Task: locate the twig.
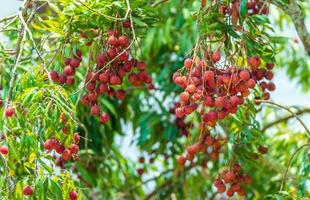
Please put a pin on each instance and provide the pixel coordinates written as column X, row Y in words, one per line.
column 289, row 164
column 158, row 2
column 34, row 43
column 284, row 119
column 7, row 18
column 19, row 48
column 104, row 15
column 289, row 110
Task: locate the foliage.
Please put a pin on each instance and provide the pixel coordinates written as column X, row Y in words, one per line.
column 162, row 34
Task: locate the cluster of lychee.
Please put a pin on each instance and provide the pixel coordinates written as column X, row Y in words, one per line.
column 114, row 66
column 180, row 122
column 66, row 153
column 210, row 145
column 217, row 92
column 71, row 65
column 232, row 181
column 254, row 7
column 55, row 144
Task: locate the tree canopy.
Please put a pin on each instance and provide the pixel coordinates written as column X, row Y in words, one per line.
column 188, row 84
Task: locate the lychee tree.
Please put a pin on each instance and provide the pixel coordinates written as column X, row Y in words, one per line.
column 188, row 83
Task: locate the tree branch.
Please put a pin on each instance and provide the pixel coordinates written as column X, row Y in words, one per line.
column 293, row 10
column 285, row 118
column 287, row 109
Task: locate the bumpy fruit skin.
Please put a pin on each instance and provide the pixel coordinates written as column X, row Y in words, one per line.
column 76, row 138
column 4, row 150
column 48, row 145
column 104, row 118
column 73, row 195
column 216, row 56
column 9, row 112
column 74, row 149
column 188, row 63
column 95, row 110
column 262, row 149
column 66, row 155
column 254, row 62
column 75, row 63
column 28, row 191
column 181, row 160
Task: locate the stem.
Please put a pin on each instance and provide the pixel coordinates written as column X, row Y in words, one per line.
column 289, row 110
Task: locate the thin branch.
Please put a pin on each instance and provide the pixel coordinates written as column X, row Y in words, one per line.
column 289, row 164
column 285, row 118
column 104, row 15
column 158, row 2
column 289, row 110
column 7, row 18
column 293, row 10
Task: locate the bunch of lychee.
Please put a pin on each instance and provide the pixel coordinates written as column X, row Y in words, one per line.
column 217, row 92
column 115, row 66
column 71, row 65
column 66, row 153
column 232, row 181
column 209, row 145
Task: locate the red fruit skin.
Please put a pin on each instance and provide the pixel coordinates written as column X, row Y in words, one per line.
column 48, row 145
column 73, row 195
column 54, row 76
column 62, row 79
column 123, row 41
column 262, row 149
column 188, row 63
column 74, row 149
column 230, row 192
column 127, row 24
column 216, row 56
column 76, row 138
column 9, row 112
column 104, row 118
column 66, row 155
column 70, row 80
column 78, row 53
column 245, row 75
column 75, row 63
column 120, row 94
column 181, row 160
column 4, row 150
column 184, row 97
column 113, row 41
column 95, row 110
column 229, row 177
column 254, row 62
column 100, row 60
column 28, row 191
column 221, row 188
column 67, row 61
column 59, row 148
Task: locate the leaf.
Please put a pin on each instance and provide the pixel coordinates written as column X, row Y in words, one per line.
column 243, row 9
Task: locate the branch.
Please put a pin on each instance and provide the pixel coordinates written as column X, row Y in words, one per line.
column 286, row 118
column 158, row 2
column 293, row 10
column 289, row 164
column 19, row 48
column 287, row 109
